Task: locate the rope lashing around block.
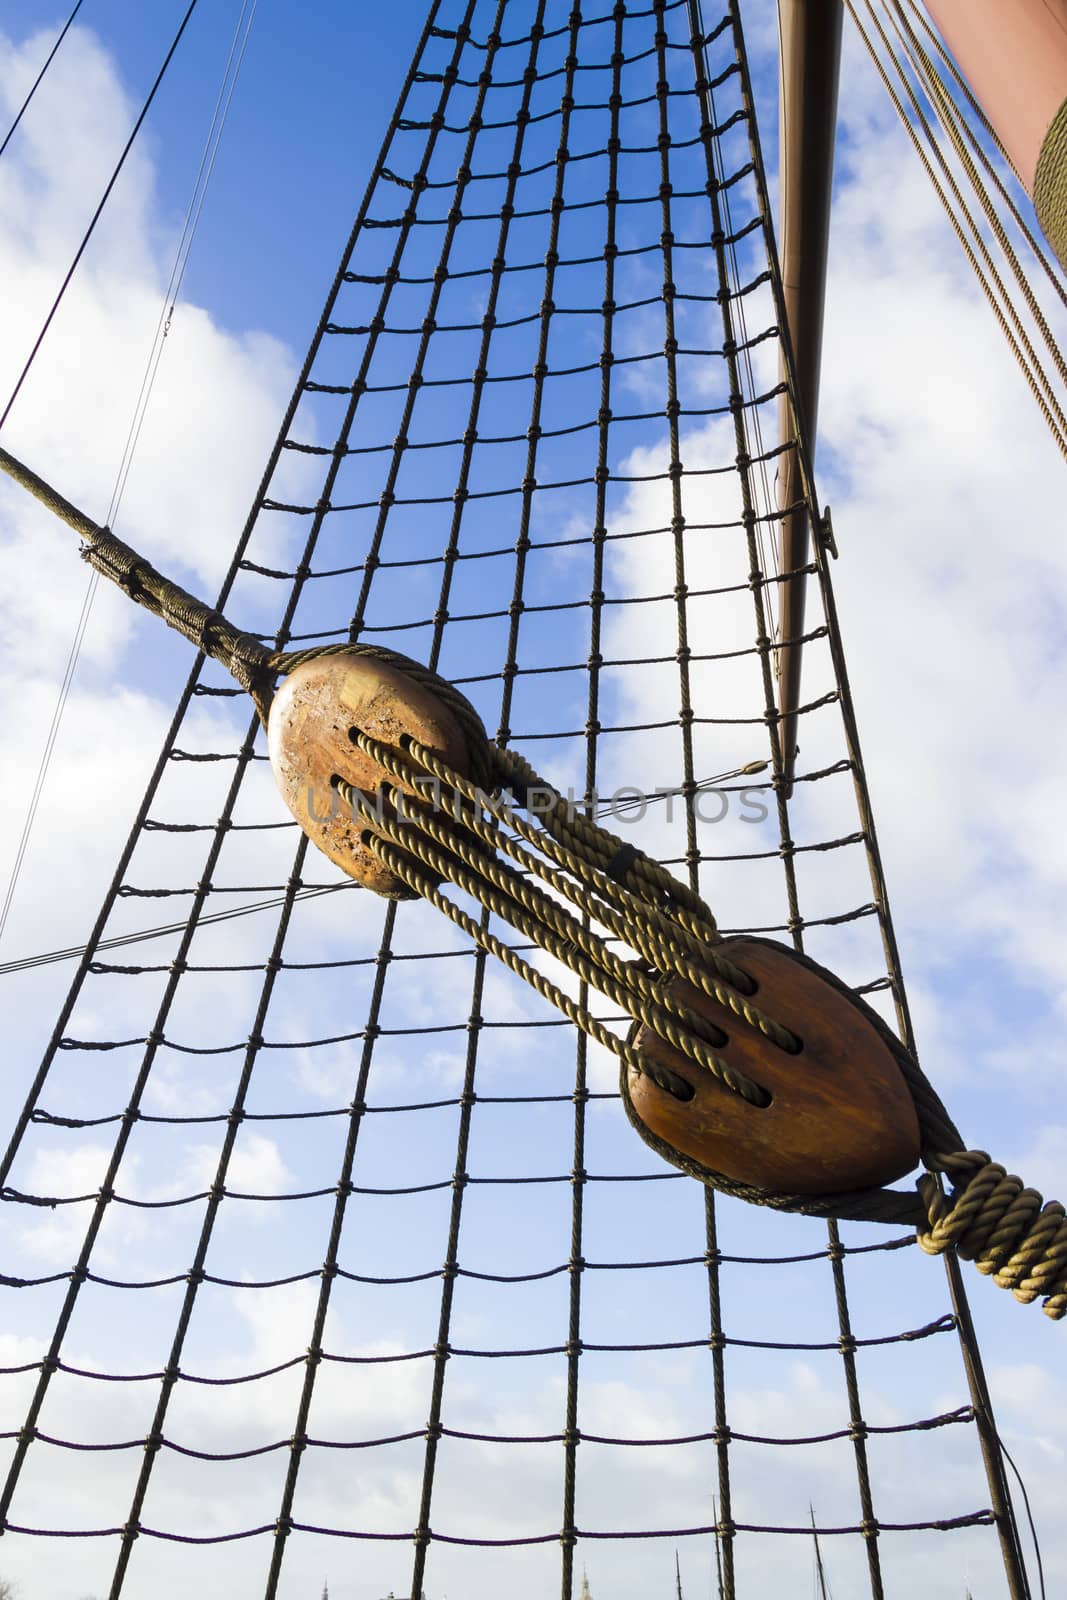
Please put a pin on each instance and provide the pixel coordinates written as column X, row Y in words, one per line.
column 1008, row 1231
column 989, row 1217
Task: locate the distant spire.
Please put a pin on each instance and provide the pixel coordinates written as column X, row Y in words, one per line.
column 824, row 1593
column 584, row 1593
column 720, row 1588
column 325, row 1590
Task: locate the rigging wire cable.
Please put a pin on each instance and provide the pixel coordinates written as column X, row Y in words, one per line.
column 95, row 218
column 75, row 952
column 231, row 72
column 50, row 744
column 1009, row 1458
column 20, row 113
column 610, row 807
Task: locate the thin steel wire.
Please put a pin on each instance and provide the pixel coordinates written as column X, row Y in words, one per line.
column 36, row 84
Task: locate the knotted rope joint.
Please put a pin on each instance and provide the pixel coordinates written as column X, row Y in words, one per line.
column 1009, row 1232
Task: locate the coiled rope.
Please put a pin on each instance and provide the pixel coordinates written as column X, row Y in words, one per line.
column 1010, row 1232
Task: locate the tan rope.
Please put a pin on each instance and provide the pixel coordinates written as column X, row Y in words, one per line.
column 1007, row 1230
column 1054, row 276
column 663, row 951
column 667, row 942
column 581, row 847
column 400, row 863
column 499, row 890
column 1050, row 184
column 584, row 837
column 990, row 1217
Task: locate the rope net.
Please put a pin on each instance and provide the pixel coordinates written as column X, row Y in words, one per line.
column 360, row 1271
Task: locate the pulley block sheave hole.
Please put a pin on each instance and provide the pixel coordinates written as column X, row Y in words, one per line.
column 315, row 717
column 840, row 1115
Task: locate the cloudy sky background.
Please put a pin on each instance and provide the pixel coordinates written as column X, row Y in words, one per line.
column 952, row 591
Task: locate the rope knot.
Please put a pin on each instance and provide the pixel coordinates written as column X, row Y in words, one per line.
column 1008, row 1230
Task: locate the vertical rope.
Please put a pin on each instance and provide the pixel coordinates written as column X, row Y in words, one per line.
column 725, row 1532
column 441, row 1349
column 858, row 1427
column 283, row 1525
column 522, row 546
column 592, row 731
column 133, row 1110
column 995, row 1473
column 725, row 1529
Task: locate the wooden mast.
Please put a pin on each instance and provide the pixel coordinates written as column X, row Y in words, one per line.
column 810, row 66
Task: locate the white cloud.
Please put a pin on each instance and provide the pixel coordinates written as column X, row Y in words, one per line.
column 61, row 1174
column 215, row 407
column 256, row 1167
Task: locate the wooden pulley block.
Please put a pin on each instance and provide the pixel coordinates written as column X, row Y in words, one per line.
column 839, row 1116
column 309, row 737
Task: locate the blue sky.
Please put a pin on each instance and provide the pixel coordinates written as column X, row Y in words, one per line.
column 303, row 133
column 937, row 466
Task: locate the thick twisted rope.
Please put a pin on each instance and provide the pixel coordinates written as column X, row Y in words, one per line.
column 1050, row 184
column 244, row 656
column 990, row 1217
column 450, row 826
column 1010, row 1233
column 617, row 873
column 506, row 895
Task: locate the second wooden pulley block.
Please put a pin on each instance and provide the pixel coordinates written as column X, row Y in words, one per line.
column 838, row 1116
column 309, row 737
